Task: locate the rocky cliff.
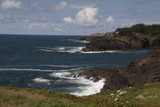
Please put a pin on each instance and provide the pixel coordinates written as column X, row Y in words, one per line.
column 138, row 72
column 105, row 43
column 139, row 36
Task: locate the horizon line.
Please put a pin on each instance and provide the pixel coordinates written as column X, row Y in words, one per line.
column 42, row 35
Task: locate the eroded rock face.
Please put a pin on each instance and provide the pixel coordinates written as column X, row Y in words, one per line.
column 155, row 42
column 143, row 71
column 86, row 38
column 104, row 43
column 138, row 72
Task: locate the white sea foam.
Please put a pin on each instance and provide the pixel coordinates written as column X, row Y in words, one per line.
column 91, row 88
column 20, row 69
column 41, row 80
column 88, row 88
column 79, row 49
column 112, row 51
column 69, row 49
column 60, row 74
column 28, row 69
column 62, row 49
column 58, row 66
column 115, row 51
column 66, row 69
column 46, row 50
column 79, row 41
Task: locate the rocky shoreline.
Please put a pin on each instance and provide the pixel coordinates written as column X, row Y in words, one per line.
column 139, row 36
column 104, row 43
column 138, row 72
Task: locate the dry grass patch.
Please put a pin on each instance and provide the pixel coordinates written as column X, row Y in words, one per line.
column 22, row 93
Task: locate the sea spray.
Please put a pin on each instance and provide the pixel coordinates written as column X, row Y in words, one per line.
column 89, row 87
column 62, row 49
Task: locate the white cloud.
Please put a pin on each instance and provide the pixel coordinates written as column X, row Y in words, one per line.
column 35, row 6
column 58, row 29
column 58, row 7
column 38, row 25
column 110, row 19
column 85, row 17
column 29, row 24
column 8, row 16
column 80, row 6
column 157, row 2
column 11, row 4
column 26, row 20
column 1, row 17
column 68, row 19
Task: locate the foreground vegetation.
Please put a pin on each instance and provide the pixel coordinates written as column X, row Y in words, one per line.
column 141, row 96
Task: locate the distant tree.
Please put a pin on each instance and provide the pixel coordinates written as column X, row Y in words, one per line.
column 153, row 30
column 150, row 30
column 125, row 32
column 139, row 28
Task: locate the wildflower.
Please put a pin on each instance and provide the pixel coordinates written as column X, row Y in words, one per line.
column 112, row 94
column 123, row 92
column 116, row 99
column 118, row 91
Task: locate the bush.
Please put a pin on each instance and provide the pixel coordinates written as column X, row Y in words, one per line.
column 140, row 29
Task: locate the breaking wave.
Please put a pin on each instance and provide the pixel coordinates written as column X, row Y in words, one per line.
column 117, row 51
column 41, row 80
column 30, row 69
column 79, row 41
column 88, row 88
column 62, row 49
column 79, row 50
column 20, row 69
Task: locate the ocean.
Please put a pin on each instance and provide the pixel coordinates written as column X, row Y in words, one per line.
column 41, row 61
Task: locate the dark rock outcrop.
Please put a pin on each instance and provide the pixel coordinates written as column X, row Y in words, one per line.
column 139, row 36
column 105, row 43
column 138, row 72
column 88, row 38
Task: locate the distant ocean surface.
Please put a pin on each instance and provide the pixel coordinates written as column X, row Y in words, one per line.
column 42, row 61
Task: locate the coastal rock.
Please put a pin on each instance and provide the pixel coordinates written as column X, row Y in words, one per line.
column 138, row 72
column 87, row 38
column 139, row 36
column 155, row 42
column 143, row 71
column 112, row 43
column 106, row 43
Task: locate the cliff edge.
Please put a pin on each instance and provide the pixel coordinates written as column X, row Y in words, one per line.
column 138, row 72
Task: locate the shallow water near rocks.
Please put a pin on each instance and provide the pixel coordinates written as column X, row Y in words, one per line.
column 42, row 61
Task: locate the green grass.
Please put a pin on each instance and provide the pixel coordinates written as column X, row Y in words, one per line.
column 141, row 96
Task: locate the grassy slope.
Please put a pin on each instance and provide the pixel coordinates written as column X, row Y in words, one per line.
column 141, row 96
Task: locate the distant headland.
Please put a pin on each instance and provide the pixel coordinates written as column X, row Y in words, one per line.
column 138, row 72
column 139, row 36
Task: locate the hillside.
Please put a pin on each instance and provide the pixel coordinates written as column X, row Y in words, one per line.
column 141, row 96
column 138, row 36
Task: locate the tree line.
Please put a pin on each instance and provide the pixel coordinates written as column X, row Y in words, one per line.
column 139, row 29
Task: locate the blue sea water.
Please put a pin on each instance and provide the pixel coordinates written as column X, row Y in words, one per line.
column 41, row 61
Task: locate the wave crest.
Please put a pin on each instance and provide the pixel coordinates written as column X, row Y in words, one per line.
column 62, row 49
column 88, row 88
column 41, row 80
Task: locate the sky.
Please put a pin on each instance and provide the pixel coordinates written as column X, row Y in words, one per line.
column 74, row 17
